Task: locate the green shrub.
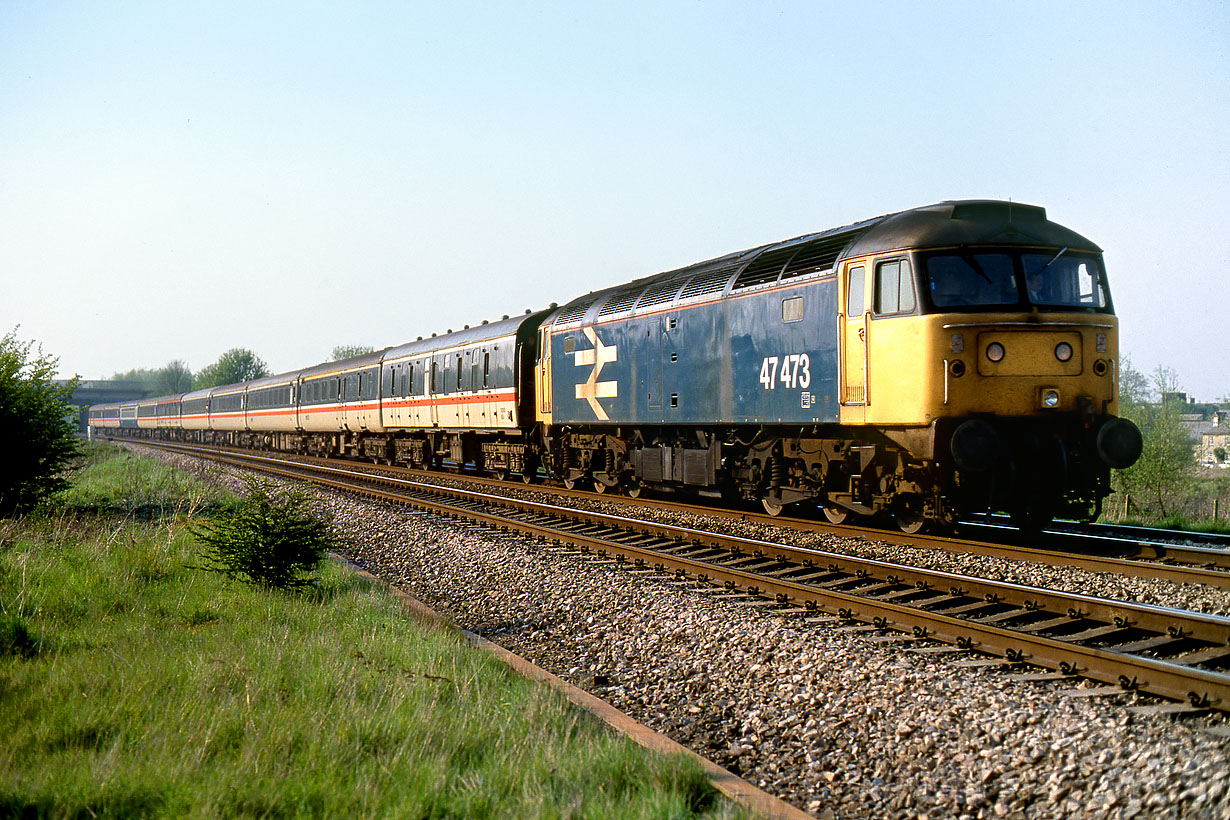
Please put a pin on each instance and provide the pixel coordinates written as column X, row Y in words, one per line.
column 272, row 539
column 38, row 434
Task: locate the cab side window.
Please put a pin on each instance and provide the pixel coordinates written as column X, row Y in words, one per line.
column 894, row 291
column 854, row 292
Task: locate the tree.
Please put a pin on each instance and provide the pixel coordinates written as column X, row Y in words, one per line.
column 235, row 365
column 138, row 375
column 174, row 378
column 38, row 431
column 346, row 351
column 1159, row 480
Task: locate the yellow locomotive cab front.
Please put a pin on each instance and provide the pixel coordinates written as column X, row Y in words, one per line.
column 1001, row 367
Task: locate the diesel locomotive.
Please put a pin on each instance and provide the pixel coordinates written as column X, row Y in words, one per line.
column 954, row 358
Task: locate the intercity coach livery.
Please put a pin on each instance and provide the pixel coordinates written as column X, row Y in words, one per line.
column 954, row 358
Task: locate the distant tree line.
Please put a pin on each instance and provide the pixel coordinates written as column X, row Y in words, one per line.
column 238, row 364
column 235, row 365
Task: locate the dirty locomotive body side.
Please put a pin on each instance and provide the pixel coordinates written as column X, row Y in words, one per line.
column 952, row 358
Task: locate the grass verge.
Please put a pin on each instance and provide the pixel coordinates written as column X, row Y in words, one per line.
column 134, row 686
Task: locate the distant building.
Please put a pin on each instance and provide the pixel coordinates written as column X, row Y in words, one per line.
column 1215, row 436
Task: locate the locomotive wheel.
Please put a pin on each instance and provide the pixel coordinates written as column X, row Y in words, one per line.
column 834, row 514
column 908, row 513
column 909, row 521
column 527, row 477
column 771, row 506
column 499, row 475
column 635, row 490
column 601, row 488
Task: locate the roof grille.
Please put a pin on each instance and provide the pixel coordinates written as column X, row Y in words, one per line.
column 706, row 283
column 660, row 293
column 764, row 268
column 820, row 254
column 576, row 311
column 620, row 302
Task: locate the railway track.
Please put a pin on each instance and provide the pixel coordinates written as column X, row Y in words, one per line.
column 1115, row 550
column 1175, row 654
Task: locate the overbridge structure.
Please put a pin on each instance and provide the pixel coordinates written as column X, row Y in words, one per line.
column 101, row 391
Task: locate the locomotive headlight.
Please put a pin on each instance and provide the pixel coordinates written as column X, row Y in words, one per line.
column 1063, row 351
column 995, row 352
column 1050, row 398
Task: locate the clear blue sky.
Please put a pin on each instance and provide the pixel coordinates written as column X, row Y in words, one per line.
column 180, row 178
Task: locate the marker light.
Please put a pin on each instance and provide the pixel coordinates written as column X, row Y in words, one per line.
column 995, row 352
column 1050, row 398
column 1063, row 351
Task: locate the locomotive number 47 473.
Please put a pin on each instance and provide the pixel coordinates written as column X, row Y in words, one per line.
column 795, row 371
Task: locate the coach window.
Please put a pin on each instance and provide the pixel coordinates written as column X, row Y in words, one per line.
column 459, row 372
column 435, row 370
column 486, row 369
column 894, row 293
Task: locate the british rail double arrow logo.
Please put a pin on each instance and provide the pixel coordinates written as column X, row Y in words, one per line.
column 591, row 389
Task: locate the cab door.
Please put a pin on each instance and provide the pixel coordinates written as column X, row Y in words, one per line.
column 853, row 329
column 543, row 378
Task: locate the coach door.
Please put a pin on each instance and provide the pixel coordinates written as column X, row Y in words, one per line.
column 435, row 381
column 853, row 340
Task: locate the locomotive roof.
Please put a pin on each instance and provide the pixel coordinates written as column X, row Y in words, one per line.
column 967, row 222
column 944, row 224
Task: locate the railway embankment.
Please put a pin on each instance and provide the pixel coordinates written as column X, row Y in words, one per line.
column 132, row 683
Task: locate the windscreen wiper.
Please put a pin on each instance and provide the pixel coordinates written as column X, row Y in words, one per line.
column 1054, row 259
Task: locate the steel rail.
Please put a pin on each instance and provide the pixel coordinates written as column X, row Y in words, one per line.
column 1193, row 564
column 1146, row 627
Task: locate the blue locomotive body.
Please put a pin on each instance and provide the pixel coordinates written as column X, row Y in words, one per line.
column 759, row 357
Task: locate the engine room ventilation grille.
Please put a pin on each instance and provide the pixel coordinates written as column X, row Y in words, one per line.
column 619, row 302
column 819, row 254
column 575, row 312
column 660, row 293
column 706, row 283
column 765, row 268
column 816, row 254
